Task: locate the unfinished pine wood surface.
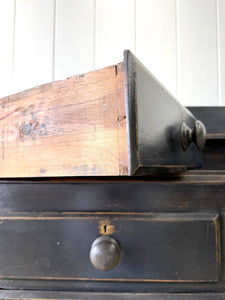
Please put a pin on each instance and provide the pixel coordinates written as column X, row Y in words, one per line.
column 73, row 127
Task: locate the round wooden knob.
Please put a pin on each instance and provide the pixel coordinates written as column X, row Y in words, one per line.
column 105, row 253
column 196, row 135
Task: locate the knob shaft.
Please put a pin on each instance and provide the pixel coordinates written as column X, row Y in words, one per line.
column 105, row 253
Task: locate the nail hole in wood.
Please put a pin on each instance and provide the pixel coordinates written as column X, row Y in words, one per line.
column 27, row 129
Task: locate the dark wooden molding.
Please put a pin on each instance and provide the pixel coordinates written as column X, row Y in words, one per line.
column 33, row 295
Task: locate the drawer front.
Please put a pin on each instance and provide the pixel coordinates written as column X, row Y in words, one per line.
column 170, row 247
column 109, row 296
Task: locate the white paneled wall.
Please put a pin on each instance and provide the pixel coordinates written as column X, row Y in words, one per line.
column 156, row 39
column 221, row 50
column 74, row 37
column 197, row 57
column 33, row 45
column 182, row 42
column 7, row 15
column 114, row 30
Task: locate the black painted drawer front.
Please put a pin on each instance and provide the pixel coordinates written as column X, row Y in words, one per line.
column 16, row 294
column 155, row 247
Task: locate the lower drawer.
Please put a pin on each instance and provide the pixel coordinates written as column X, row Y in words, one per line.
column 157, row 247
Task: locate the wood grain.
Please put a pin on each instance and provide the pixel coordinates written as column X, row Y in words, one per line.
column 66, row 128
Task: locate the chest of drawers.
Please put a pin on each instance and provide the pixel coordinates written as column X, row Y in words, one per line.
column 158, row 234
column 169, row 232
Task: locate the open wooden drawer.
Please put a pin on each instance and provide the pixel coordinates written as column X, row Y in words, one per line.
column 114, row 121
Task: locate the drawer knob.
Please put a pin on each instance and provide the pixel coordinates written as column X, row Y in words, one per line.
column 196, row 135
column 105, row 253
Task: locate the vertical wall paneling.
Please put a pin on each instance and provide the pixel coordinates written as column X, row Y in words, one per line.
column 74, row 37
column 197, row 52
column 6, row 48
column 221, row 49
column 115, row 30
column 156, row 39
column 182, row 42
column 34, row 26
